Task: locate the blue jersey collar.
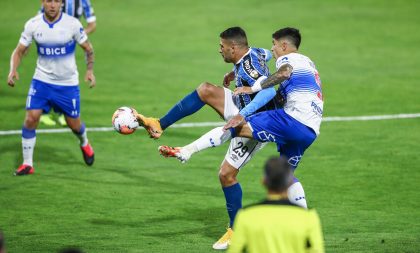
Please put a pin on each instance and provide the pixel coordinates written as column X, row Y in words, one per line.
column 51, row 25
column 249, row 50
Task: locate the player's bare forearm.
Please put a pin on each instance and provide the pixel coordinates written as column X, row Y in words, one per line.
column 17, row 56
column 282, row 74
column 90, row 28
column 90, row 59
column 90, row 56
column 15, row 60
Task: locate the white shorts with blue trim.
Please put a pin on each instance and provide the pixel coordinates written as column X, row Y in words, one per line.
column 241, row 149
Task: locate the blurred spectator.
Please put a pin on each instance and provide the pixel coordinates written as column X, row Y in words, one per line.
column 2, row 245
column 71, row 250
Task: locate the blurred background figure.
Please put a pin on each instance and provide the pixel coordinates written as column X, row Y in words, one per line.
column 276, row 224
column 71, row 250
column 2, row 246
column 77, row 9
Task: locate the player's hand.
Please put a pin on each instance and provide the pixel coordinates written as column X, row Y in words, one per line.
column 242, row 90
column 90, row 77
column 11, row 78
column 234, row 122
column 229, row 77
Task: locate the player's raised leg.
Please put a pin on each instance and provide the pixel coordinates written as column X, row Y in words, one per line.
column 206, row 93
column 213, row 138
column 28, row 142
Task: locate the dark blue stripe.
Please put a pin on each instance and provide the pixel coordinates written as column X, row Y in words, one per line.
column 48, row 50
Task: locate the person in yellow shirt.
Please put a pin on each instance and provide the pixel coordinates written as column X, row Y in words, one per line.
column 275, row 224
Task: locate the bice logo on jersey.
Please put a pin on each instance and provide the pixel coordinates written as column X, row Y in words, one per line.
column 51, row 51
column 56, row 50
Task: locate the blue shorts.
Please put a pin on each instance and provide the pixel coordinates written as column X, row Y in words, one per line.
column 291, row 136
column 44, row 96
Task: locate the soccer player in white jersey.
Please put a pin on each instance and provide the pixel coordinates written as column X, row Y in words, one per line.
column 77, row 9
column 55, row 82
column 293, row 128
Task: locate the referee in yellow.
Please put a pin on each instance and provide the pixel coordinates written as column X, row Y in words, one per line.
column 277, row 225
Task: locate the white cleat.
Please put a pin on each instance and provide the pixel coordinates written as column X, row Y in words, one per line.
column 179, row 153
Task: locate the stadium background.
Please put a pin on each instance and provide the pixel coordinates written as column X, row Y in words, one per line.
column 361, row 176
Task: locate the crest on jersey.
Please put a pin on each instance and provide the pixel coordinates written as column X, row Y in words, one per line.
column 254, row 74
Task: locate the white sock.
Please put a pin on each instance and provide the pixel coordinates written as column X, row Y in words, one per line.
column 213, row 138
column 28, row 146
column 296, row 194
column 83, row 138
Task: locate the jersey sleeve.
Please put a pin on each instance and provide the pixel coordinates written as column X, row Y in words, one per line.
column 238, row 243
column 287, row 59
column 315, row 237
column 79, row 33
column 267, row 54
column 261, row 99
column 88, row 12
column 27, row 34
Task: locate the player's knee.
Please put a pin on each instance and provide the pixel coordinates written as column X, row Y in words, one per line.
column 205, row 90
column 227, row 178
column 31, row 121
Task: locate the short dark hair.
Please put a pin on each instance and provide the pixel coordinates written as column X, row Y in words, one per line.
column 235, row 34
column 289, row 33
column 278, row 174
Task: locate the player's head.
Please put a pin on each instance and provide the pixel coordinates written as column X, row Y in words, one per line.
column 233, row 43
column 285, row 41
column 278, row 174
column 52, row 8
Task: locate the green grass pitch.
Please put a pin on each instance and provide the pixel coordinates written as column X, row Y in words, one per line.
column 362, row 177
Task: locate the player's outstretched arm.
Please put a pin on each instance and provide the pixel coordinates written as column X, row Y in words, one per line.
column 15, row 60
column 90, row 60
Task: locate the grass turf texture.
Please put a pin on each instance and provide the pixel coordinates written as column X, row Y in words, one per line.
column 362, row 177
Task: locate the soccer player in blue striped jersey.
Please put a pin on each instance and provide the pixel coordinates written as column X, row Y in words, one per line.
column 55, row 83
column 249, row 66
column 77, row 9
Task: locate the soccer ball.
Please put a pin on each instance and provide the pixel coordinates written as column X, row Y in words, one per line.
column 124, row 120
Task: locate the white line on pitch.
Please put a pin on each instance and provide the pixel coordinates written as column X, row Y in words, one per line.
column 214, row 124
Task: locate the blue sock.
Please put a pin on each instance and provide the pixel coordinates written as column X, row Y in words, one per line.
column 81, row 131
column 233, row 195
column 187, row 106
column 28, row 133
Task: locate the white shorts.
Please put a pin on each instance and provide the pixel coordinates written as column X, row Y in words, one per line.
column 241, row 149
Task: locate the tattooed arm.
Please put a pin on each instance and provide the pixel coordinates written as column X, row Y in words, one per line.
column 282, row 74
column 90, row 59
